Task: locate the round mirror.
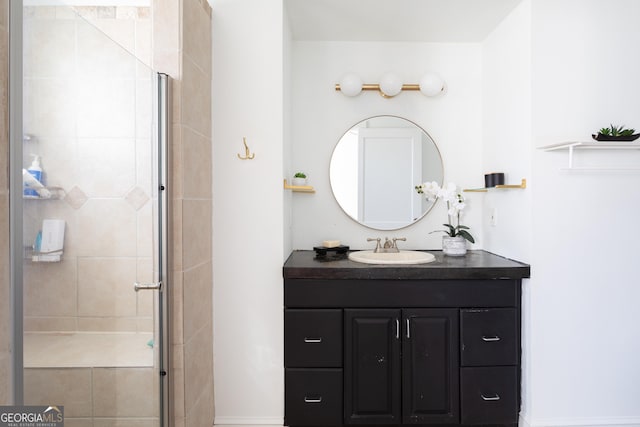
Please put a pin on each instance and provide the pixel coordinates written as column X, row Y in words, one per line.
column 374, row 170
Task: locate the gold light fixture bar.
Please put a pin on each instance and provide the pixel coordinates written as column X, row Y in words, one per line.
column 375, row 86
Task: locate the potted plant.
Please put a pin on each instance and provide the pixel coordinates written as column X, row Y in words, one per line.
column 455, row 241
column 616, row 133
column 300, row 178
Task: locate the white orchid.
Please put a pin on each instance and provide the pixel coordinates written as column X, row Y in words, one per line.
column 455, row 205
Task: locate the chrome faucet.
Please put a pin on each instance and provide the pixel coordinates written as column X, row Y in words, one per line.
column 390, row 246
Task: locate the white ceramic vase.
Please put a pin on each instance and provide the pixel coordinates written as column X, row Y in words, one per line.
column 454, row 246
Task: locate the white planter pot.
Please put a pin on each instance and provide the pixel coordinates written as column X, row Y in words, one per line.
column 454, row 246
column 299, row 181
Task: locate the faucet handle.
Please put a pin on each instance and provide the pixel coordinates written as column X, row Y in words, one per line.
column 377, row 240
column 395, row 245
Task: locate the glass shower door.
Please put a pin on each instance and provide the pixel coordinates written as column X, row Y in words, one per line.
column 93, row 221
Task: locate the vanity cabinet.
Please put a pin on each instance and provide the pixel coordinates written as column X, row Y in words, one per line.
column 371, row 345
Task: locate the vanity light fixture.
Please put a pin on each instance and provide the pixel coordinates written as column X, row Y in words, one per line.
column 431, row 84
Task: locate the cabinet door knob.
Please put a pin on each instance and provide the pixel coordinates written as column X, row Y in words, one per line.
column 490, row 339
column 312, row 399
column 313, row 340
column 490, row 398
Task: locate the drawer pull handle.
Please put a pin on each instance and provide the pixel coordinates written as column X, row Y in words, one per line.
column 313, row 340
column 312, row 399
column 491, row 339
column 490, row 398
column 397, row 328
column 408, row 328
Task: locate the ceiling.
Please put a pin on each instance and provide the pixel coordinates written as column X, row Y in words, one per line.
column 435, row 21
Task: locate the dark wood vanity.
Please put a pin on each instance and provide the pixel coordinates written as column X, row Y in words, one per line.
column 435, row 343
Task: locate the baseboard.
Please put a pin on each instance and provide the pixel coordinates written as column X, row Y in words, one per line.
column 249, row 421
column 581, row 422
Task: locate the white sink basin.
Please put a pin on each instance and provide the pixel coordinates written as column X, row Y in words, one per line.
column 402, row 257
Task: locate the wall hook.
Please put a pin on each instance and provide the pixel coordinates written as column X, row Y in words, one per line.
column 247, row 154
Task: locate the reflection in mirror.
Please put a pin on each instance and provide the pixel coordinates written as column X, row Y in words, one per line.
column 375, row 167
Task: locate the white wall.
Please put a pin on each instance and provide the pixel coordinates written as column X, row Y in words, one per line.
column 321, row 115
column 585, row 338
column 507, row 147
column 248, row 211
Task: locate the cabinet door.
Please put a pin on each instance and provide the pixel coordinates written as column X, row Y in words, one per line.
column 372, row 367
column 430, row 366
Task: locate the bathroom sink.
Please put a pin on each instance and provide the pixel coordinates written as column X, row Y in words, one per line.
column 402, row 257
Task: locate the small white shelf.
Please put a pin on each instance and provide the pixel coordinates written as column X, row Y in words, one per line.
column 571, row 146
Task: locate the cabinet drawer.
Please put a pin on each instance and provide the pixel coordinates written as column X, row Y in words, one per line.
column 488, row 337
column 313, row 338
column 313, row 397
column 489, row 395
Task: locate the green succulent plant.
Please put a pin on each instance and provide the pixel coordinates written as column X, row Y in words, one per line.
column 616, row 131
column 299, row 175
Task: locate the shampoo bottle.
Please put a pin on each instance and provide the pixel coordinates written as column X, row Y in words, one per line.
column 36, row 171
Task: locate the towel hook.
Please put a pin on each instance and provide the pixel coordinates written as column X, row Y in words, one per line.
column 247, row 155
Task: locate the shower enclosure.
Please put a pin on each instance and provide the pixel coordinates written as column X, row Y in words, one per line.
column 85, row 103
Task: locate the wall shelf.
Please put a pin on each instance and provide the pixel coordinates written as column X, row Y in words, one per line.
column 56, row 193
column 571, row 146
column 299, row 188
column 522, row 185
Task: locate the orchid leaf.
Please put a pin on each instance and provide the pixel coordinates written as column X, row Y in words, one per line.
column 466, row 235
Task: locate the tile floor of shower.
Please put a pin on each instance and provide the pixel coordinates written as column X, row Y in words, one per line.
column 101, row 379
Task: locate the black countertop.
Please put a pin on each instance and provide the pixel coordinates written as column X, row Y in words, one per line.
column 477, row 264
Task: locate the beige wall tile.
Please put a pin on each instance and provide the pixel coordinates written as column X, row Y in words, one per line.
column 106, row 228
column 50, row 289
column 144, row 174
column 196, row 232
column 197, row 35
column 177, row 162
column 123, row 392
column 198, row 366
column 106, row 167
column 5, row 374
column 46, row 42
column 166, row 36
column 70, row 387
column 50, row 107
column 5, row 290
column 114, row 115
column 145, row 232
column 50, row 324
column 198, row 305
column 177, row 235
column 124, row 422
column 108, row 324
column 177, row 385
column 202, row 413
column 105, row 287
column 99, row 56
column 196, row 98
column 78, row 422
column 176, row 305
column 4, row 13
column 196, row 152
column 143, row 44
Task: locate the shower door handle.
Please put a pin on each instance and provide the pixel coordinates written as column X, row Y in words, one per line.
column 147, row 286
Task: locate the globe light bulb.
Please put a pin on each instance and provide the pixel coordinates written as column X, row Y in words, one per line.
column 431, row 84
column 351, row 84
column 390, row 84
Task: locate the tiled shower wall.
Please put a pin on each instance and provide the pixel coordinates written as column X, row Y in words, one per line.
column 87, row 104
column 182, row 49
column 5, row 295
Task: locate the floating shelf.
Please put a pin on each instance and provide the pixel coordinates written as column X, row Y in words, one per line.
column 571, row 146
column 522, row 185
column 299, row 188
